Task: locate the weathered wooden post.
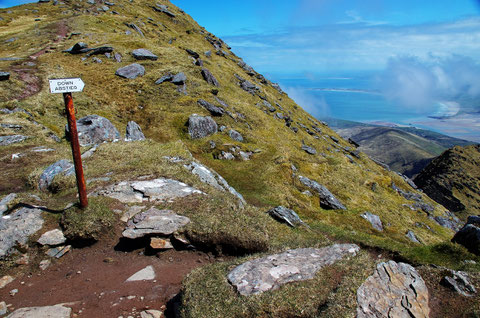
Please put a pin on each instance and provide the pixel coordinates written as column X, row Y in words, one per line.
column 67, row 86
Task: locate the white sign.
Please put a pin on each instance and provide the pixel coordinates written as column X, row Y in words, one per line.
column 66, row 85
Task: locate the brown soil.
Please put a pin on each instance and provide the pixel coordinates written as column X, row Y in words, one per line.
column 92, row 281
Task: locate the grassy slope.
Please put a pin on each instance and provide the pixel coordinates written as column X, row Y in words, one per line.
column 265, row 181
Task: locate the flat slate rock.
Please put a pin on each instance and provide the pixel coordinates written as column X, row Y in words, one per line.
column 144, row 54
column 11, row 139
column 131, row 71
column 208, row 76
column 148, row 273
column 394, row 290
column 52, row 238
column 62, row 166
column 57, row 311
column 134, row 132
column 285, row 215
column 214, row 110
column 327, row 199
column 374, row 220
column 271, row 272
column 148, row 190
column 94, row 129
column 17, row 227
column 235, row 135
column 309, row 150
column 201, row 126
column 154, row 221
column 458, row 281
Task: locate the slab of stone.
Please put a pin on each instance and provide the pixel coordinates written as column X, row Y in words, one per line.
column 235, row 135
column 131, row 212
column 374, row 220
column 52, row 238
column 161, row 244
column 63, row 166
column 5, row 280
column 131, row 71
column 149, row 190
column 57, row 311
column 201, row 126
column 151, row 313
column 94, row 129
column 164, row 9
column 309, row 150
column 134, row 132
column 394, row 290
column 6, row 201
column 11, row 139
column 58, row 251
column 458, row 281
column 208, row 76
column 214, row 110
column 148, row 273
column 144, row 54
column 154, row 221
column 271, row 272
column 179, row 78
column 412, row 237
column 327, row 199
column 17, row 227
column 285, row 215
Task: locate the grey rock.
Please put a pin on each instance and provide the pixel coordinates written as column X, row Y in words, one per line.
column 148, row 273
column 200, row 126
column 91, row 1
column 235, row 135
column 17, row 227
column 221, row 102
column 394, row 290
column 131, row 71
column 208, row 76
column 408, row 195
column 99, row 50
column 151, row 313
column 165, row 78
column 89, row 152
column 134, row 132
column 11, row 126
column 269, row 106
column 94, row 129
column 222, row 128
column 57, row 311
column 154, row 221
column 193, row 53
column 3, row 308
column 212, row 178
column 4, row 76
column 136, row 28
column 11, row 139
column 144, row 54
column 412, row 237
column 248, row 87
column 214, row 110
column 148, row 190
column 6, row 201
column 247, row 68
column 78, row 48
column 285, row 215
column 469, row 236
column 59, row 251
column 52, row 238
column 459, row 283
column 60, row 167
column 179, row 78
column 96, row 60
column 118, row 57
column 309, row 150
column 226, row 156
column 447, row 222
column 245, row 156
column 278, row 88
column 164, row 9
column 327, row 199
column 374, row 220
column 270, row 272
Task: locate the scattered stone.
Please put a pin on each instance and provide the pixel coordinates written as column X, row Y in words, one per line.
column 134, row 132
column 285, row 215
column 214, row 110
column 374, row 220
column 277, row 87
column 144, row 54
column 89, row 152
column 159, row 243
column 131, row 212
column 118, row 57
column 148, row 190
column 94, row 129
column 5, row 280
column 207, row 76
column 459, row 283
column 394, row 290
column 59, row 251
column 6, row 201
column 449, row 221
column 412, row 237
column 309, row 150
column 148, row 273
column 247, row 68
column 52, row 238
column 131, row 71
column 4, row 76
column 13, row 292
column 327, row 199
column 3, row 308
column 151, row 313
column 469, row 235
column 226, row 156
column 179, row 78
column 17, row 227
column 60, row 167
column 24, row 259
column 136, row 28
column 270, row 272
column 97, row 60
column 245, row 156
column 193, row 53
column 44, row 264
column 164, row 9
column 235, row 135
column 57, row 311
column 11, row 139
column 154, row 221
column 200, row 127
column 408, row 195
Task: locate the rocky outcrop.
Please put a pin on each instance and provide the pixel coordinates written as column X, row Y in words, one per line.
column 458, row 281
column 214, row 110
column 134, row 132
column 270, row 272
column 17, row 227
column 469, row 235
column 285, row 215
column 235, row 135
column 94, row 129
column 394, row 290
column 208, row 76
column 327, row 199
column 309, row 150
column 11, row 139
column 63, row 166
column 154, row 222
column 131, row 71
column 200, row 126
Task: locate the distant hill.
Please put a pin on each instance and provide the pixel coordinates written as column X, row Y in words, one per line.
column 453, row 179
column 405, row 149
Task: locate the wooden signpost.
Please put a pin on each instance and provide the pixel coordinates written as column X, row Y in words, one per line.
column 67, row 86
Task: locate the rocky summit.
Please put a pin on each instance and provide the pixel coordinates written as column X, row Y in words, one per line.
column 211, row 193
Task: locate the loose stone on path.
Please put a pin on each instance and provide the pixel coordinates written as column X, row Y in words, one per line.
column 148, row 273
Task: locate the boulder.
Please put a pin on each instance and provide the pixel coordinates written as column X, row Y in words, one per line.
column 327, row 199
column 374, row 220
column 17, row 227
column 285, row 215
column 200, row 126
column 131, row 71
column 52, row 238
column 94, row 129
column 459, row 283
column 271, row 272
column 235, row 135
column 207, row 76
column 57, row 311
column 11, row 139
column 154, row 221
column 4, row 76
column 148, row 273
column 63, row 166
column 469, row 235
column 394, row 290
column 214, row 110
column 78, row 48
column 179, row 78
column 134, row 132
column 144, row 54
column 165, row 78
